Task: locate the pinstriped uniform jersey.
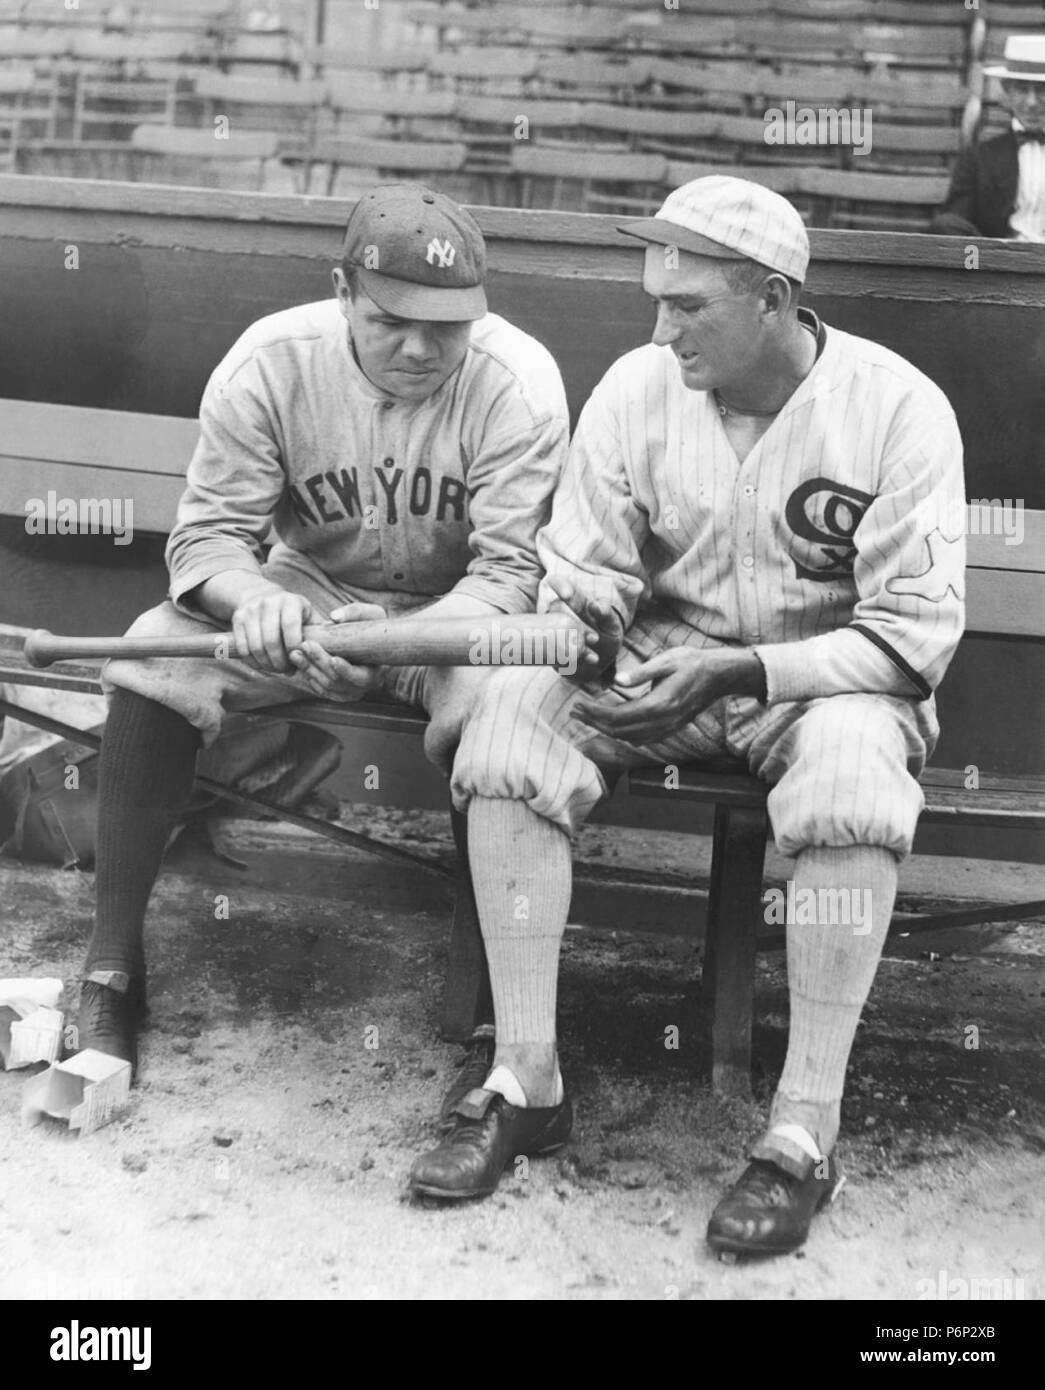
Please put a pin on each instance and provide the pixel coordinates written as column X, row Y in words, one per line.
column 835, row 549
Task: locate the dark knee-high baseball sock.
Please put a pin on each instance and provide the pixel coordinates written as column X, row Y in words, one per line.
column 831, row 964
column 145, row 775
column 522, row 875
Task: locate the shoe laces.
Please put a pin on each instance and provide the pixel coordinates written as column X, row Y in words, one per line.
column 474, row 1066
column 767, row 1184
column 105, row 1008
column 468, row 1133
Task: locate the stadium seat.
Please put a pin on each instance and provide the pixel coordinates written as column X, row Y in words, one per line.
column 591, row 77
column 531, row 27
column 875, row 201
column 721, row 87
column 29, row 105
column 483, row 70
column 387, row 157
column 176, row 155
column 259, row 103
column 326, row 59
column 606, row 182
column 347, row 96
column 356, row 109
column 126, row 51
column 492, row 128
column 702, row 135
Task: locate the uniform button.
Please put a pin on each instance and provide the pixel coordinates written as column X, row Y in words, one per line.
column 749, row 491
column 398, row 577
column 748, row 561
column 387, row 405
column 388, row 462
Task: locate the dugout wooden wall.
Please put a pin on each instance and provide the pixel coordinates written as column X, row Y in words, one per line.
column 167, row 278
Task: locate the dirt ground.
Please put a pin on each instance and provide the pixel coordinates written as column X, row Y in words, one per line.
column 265, row 1151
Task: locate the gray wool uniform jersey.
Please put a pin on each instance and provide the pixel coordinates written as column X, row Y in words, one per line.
column 361, row 496
column 413, row 498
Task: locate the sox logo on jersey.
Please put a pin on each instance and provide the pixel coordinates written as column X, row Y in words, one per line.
column 824, row 515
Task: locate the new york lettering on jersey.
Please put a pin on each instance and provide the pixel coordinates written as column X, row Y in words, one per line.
column 388, row 497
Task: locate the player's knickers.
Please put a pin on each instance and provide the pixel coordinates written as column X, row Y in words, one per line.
column 844, row 768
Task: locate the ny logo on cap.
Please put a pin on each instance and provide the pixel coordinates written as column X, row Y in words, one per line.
column 442, row 251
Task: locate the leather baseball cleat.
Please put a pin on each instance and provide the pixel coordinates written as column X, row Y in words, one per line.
column 488, row 1133
column 767, row 1211
column 472, row 1070
column 109, row 1016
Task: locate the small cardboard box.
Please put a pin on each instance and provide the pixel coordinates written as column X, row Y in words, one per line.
column 87, row 1090
column 30, row 1022
column 35, row 1038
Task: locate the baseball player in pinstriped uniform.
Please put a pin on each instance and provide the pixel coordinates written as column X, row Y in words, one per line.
column 761, row 517
column 402, row 444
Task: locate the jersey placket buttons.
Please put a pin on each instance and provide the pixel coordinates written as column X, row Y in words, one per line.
column 746, row 540
column 398, row 576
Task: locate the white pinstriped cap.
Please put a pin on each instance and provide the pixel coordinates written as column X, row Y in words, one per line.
column 730, row 218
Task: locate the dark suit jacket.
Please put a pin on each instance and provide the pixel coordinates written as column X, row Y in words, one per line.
column 982, row 195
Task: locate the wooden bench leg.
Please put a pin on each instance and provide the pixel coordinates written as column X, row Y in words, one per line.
column 734, row 913
column 467, row 1000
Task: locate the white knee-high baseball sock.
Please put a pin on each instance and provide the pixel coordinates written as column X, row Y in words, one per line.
column 522, row 873
column 831, row 965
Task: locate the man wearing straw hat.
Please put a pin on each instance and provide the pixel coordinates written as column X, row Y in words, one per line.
column 998, row 188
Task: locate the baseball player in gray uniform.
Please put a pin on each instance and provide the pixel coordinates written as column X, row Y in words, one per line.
column 762, row 517
column 397, row 447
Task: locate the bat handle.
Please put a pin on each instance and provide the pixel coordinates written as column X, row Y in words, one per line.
column 42, row 648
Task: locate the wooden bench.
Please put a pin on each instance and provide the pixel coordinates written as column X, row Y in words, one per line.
column 77, row 452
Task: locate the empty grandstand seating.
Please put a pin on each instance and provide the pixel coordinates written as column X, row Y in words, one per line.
column 549, row 100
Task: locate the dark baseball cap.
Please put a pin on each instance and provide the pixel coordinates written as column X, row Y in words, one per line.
column 418, row 255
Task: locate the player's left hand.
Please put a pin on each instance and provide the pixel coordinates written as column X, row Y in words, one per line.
column 332, row 677
column 685, row 682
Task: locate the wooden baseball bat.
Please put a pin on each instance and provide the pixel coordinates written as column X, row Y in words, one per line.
column 503, row 639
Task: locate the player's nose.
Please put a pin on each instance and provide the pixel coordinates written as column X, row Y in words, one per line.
column 418, row 347
column 665, row 330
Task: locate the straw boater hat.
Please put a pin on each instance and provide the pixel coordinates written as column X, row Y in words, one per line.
column 1024, row 59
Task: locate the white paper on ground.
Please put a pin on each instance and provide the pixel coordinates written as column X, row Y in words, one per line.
column 27, row 995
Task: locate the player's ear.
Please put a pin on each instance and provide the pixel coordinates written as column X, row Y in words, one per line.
column 341, row 288
column 776, row 295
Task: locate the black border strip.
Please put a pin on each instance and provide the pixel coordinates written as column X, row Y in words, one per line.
column 919, row 682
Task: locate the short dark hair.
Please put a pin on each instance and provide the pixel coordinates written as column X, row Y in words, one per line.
column 745, row 275
column 351, row 273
